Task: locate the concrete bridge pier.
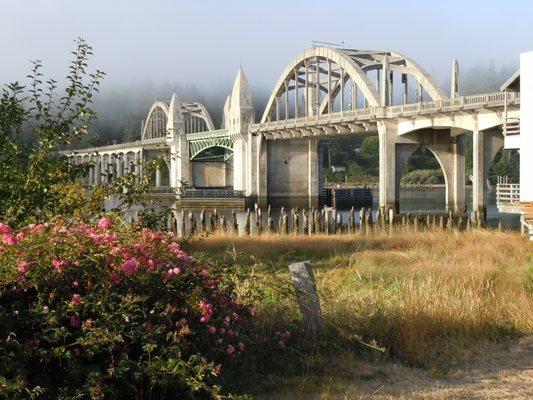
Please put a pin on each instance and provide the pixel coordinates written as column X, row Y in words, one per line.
column 485, row 146
column 294, row 170
column 389, row 184
column 179, row 161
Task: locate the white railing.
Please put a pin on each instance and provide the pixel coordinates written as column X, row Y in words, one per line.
column 497, row 99
column 507, row 193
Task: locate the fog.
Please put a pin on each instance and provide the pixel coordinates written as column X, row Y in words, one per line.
column 150, row 49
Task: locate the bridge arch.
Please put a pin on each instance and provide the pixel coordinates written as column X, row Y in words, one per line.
column 307, row 73
column 198, row 148
column 156, row 123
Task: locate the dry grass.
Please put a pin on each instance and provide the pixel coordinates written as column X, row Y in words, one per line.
column 431, row 299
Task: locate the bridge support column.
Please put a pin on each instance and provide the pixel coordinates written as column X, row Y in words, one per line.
column 137, row 165
column 451, row 158
column 313, row 172
column 387, row 167
column 262, row 173
column 179, row 162
column 239, row 164
column 97, row 170
column 158, row 177
column 119, row 165
column 485, row 145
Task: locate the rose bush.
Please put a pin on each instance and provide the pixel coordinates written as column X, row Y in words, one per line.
column 105, row 311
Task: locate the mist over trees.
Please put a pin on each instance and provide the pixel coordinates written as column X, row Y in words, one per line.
column 121, row 108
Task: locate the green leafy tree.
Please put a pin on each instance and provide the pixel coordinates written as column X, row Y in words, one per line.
column 32, row 172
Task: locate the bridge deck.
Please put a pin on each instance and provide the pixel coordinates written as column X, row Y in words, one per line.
column 373, row 114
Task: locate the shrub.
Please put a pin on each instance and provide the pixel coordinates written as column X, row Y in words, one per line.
column 109, row 312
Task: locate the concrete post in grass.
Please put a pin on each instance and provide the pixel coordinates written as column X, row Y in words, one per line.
column 303, row 280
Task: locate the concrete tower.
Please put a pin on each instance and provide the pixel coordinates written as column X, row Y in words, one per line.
column 179, row 147
column 239, row 116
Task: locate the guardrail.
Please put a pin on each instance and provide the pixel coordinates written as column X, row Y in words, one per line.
column 497, row 99
column 507, row 193
column 209, row 193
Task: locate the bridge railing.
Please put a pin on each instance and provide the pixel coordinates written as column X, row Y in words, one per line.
column 210, row 193
column 507, row 193
column 497, row 99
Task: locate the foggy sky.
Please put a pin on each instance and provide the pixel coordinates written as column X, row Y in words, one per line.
column 203, row 42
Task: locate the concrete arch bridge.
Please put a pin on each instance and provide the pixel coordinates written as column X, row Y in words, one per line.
column 325, row 93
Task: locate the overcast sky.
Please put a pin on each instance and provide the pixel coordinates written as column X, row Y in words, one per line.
column 203, row 42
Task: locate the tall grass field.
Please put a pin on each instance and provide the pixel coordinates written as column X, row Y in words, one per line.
column 427, row 300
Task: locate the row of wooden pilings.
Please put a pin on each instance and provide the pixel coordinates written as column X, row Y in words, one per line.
column 314, row 221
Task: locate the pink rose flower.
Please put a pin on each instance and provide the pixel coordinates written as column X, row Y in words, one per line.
column 130, row 266
column 59, row 264
column 9, row 239
column 5, row 229
column 115, row 278
column 23, row 267
column 104, row 223
column 75, row 322
column 212, row 330
column 75, row 284
column 76, row 299
column 205, row 318
column 230, row 349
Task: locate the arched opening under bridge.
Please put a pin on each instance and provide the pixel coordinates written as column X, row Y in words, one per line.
column 213, row 167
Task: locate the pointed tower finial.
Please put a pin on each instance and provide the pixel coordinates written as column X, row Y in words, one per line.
column 175, row 117
column 241, row 95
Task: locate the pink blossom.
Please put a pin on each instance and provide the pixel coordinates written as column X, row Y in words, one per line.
column 9, row 239
column 130, row 266
column 230, row 333
column 104, row 223
column 115, row 278
column 20, row 236
column 5, row 229
column 205, row 307
column 23, row 267
column 37, row 228
column 241, row 346
column 281, row 344
column 230, row 349
column 205, row 318
column 75, row 284
column 76, row 299
column 212, row 330
column 59, row 264
column 74, row 322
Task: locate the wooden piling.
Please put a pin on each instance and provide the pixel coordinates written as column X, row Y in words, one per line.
column 234, row 223
column 247, row 225
column 259, row 222
column 223, row 224
column 284, row 226
column 305, row 222
column 192, row 223
column 183, row 229
column 203, row 224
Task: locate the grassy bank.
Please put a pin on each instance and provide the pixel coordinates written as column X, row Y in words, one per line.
column 431, row 299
